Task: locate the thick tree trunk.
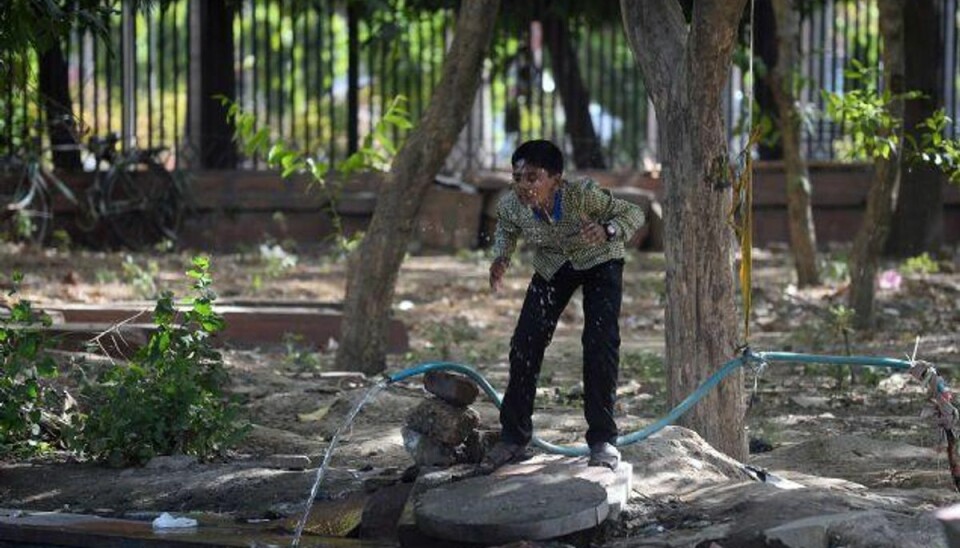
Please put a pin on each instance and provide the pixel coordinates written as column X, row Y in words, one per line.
column 574, row 95
column 55, row 95
column 918, row 220
column 372, row 281
column 803, row 240
column 685, row 68
column 882, row 196
column 211, row 27
column 765, row 47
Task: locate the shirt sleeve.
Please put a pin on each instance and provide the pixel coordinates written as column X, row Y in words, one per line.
column 507, row 232
column 600, row 205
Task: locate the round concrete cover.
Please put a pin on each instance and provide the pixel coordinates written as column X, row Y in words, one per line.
column 498, row 509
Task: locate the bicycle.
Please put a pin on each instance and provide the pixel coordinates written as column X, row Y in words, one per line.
column 138, row 200
column 26, row 213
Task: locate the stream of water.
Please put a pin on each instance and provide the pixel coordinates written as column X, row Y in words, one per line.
column 326, row 457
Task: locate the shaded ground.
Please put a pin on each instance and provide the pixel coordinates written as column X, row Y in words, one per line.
column 869, row 432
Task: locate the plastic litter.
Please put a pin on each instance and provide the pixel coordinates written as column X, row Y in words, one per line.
column 166, row 521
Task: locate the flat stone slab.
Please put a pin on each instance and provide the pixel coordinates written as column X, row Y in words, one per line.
column 508, row 508
column 618, row 484
column 545, row 497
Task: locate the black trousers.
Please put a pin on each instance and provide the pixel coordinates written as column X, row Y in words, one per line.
column 602, row 293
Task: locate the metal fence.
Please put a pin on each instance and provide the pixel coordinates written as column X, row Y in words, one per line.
column 320, row 77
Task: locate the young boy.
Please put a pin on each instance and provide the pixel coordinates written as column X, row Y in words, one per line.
column 578, row 232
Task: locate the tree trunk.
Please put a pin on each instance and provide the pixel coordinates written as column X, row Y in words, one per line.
column 765, row 47
column 918, row 220
column 783, row 77
column 371, row 285
column 212, row 74
column 685, row 68
column 882, row 196
column 574, row 95
column 55, row 95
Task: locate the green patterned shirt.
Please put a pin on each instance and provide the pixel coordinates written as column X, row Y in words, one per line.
column 557, row 241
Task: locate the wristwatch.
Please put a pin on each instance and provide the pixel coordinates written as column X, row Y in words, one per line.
column 611, row 230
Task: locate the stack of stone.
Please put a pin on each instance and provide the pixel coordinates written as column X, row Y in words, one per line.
column 443, row 429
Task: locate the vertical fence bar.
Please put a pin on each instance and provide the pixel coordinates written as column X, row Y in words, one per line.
column 150, row 75
column 612, row 110
column 833, row 49
column 318, row 71
column 254, row 92
column 821, row 57
column 175, row 38
column 421, row 73
column 9, row 114
column 353, row 78
column 267, row 47
column 162, row 77
column 950, row 64
column 332, row 48
column 955, row 52
column 305, row 75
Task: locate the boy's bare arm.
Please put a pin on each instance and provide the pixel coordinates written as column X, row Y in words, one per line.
column 497, row 269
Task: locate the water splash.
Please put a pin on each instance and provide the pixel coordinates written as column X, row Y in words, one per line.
column 373, row 391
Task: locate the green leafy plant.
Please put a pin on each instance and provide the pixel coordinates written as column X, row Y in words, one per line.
column 375, row 154
column 921, row 264
column 142, row 278
column 836, row 269
column 935, row 149
column 870, row 128
column 445, row 337
column 299, row 355
column 169, row 399
column 24, row 363
column 840, row 323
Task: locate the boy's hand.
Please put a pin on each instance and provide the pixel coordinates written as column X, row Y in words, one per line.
column 497, row 269
column 593, row 232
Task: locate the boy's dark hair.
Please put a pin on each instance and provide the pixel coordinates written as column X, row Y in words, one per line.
column 539, row 153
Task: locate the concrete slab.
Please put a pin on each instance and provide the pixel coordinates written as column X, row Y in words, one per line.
column 545, row 497
column 618, row 484
column 245, row 325
column 507, row 508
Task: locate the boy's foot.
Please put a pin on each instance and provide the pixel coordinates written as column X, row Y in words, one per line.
column 502, row 453
column 604, row 454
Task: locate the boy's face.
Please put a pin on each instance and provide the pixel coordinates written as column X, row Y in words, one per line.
column 533, row 185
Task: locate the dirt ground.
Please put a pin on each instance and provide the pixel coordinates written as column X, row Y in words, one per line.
column 806, row 419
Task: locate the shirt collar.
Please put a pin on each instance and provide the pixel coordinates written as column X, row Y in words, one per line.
column 557, row 208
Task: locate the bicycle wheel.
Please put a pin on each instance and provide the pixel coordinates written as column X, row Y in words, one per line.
column 26, row 210
column 141, row 207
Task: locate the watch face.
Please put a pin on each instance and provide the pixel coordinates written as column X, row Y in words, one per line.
column 611, row 230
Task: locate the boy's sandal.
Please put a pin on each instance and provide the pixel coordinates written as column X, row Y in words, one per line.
column 604, row 454
column 502, row 453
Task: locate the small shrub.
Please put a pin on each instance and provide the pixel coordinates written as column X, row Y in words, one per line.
column 142, row 278
column 24, row 363
column 644, row 366
column 447, row 336
column 921, row 264
column 169, row 399
column 299, row 355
